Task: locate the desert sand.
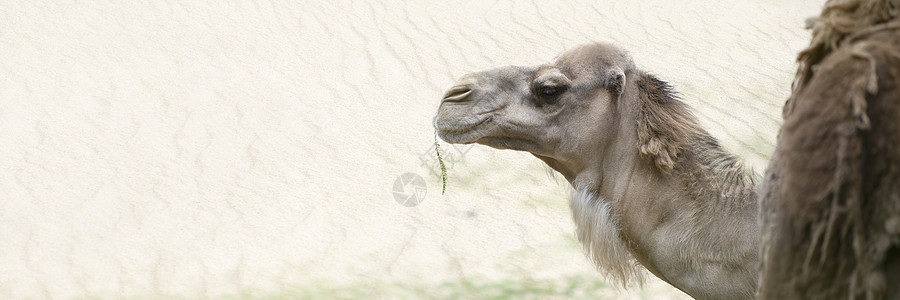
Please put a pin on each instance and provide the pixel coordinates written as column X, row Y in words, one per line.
column 258, row 148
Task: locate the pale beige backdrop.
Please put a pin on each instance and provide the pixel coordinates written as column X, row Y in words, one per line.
column 183, row 149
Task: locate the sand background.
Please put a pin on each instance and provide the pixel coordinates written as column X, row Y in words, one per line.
column 245, row 149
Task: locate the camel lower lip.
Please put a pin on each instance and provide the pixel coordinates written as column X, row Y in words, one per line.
column 462, row 134
column 462, row 128
column 457, row 137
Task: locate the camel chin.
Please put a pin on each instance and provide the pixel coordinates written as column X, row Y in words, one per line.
column 508, row 143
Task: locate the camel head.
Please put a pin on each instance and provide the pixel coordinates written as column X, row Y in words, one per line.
column 566, row 112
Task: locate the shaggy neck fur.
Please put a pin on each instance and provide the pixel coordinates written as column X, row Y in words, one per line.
column 712, row 173
column 598, row 231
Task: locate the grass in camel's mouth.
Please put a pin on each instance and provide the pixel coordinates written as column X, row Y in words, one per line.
column 437, row 150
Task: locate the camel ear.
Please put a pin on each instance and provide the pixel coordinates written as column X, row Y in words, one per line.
column 615, row 81
column 664, row 123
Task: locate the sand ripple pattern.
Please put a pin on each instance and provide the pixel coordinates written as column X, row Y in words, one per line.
column 249, row 148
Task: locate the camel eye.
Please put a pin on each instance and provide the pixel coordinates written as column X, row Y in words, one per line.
column 549, row 91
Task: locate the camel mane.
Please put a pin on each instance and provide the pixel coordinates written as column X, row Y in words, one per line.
column 664, row 123
column 667, row 129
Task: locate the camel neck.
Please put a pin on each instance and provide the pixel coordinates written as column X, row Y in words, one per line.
column 704, row 207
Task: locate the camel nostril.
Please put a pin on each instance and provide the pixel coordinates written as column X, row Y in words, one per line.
column 457, row 93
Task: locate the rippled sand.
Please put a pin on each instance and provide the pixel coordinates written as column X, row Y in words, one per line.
column 252, row 149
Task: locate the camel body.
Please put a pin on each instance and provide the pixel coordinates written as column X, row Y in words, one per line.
column 830, row 204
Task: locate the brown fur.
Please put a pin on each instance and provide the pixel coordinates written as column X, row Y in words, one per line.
column 830, row 207
column 664, row 124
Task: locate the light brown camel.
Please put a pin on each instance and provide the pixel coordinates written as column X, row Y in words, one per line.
column 830, row 207
column 652, row 188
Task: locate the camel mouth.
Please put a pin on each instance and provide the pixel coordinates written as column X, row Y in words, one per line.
column 460, row 133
